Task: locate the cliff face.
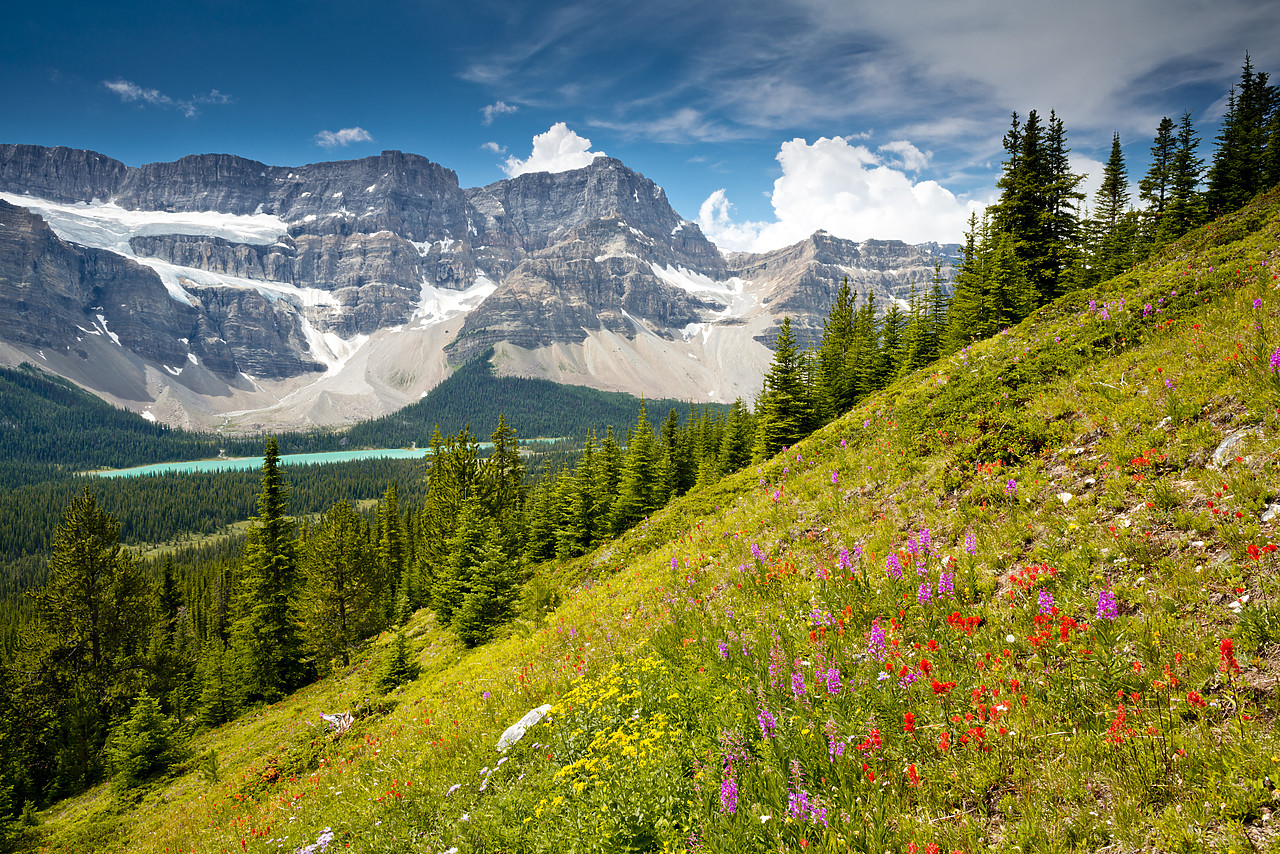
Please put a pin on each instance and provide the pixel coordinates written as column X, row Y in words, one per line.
column 54, row 294
column 359, row 280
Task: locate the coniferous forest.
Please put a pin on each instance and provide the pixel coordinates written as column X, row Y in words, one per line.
column 269, row 581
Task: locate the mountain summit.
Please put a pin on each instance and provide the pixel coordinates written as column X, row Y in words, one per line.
column 220, row 291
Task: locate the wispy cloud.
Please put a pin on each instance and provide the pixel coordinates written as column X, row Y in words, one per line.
column 497, row 108
column 344, row 137
column 494, row 147
column 189, row 107
column 822, row 67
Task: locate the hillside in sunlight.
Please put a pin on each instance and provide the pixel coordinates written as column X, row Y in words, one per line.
column 1024, row 599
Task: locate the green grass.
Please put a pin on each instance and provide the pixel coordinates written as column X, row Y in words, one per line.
column 675, row 658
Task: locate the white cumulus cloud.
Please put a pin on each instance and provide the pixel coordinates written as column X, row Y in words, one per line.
column 847, row 190
column 557, row 150
column 905, row 155
column 495, row 109
column 346, row 136
column 494, row 147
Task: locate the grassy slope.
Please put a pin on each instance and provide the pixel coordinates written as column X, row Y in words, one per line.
column 675, row 642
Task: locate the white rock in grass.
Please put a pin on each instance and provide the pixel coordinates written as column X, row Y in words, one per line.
column 516, row 731
column 1065, row 497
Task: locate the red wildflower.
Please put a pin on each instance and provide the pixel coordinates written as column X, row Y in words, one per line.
column 913, row 776
column 909, row 723
column 1227, row 652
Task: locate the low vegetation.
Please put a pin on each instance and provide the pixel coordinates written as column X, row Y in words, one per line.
column 1023, row 599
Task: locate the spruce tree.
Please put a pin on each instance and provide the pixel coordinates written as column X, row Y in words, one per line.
column 1111, row 252
column 785, row 409
column 457, row 575
column 836, row 387
column 268, row 636
column 637, row 481
column 390, row 536
column 144, row 746
column 1185, row 209
column 399, row 666
column 344, row 584
column 491, row 602
column 1156, row 186
column 86, row 650
column 1239, row 167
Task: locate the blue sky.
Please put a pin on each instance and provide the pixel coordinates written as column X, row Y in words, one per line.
column 763, row 120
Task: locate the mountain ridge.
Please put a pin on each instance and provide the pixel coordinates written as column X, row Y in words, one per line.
column 308, row 294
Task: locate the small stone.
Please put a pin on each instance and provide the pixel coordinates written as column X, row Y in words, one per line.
column 1065, row 497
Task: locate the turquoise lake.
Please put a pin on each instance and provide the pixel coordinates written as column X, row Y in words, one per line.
column 240, row 463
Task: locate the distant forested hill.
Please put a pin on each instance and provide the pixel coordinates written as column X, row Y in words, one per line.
column 535, row 408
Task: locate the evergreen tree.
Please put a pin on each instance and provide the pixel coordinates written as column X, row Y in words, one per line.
column 1156, row 186
column 267, row 636
column 502, row 476
column 541, row 521
column 391, row 553
column 737, row 439
column 1239, row 167
column 1111, row 237
column 87, row 647
column 491, row 602
column 637, row 481
column 965, row 314
column 836, row 387
column 399, row 667
column 1063, row 198
column 344, row 584
column 457, row 575
column 1185, row 209
column 604, row 485
column 144, row 746
column 786, row 410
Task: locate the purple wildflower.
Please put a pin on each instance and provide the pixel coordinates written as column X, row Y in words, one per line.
column 757, row 552
column 1107, row 604
column 1011, row 488
column 970, row 543
column 1257, row 304
column 845, row 562
column 1046, row 602
column 922, row 595
column 946, row 583
column 893, row 566
column 835, row 478
column 797, row 683
column 875, row 644
column 768, row 723
column 1275, row 361
column 724, row 650
column 729, row 792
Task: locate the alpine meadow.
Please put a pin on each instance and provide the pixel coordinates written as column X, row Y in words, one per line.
column 984, row 563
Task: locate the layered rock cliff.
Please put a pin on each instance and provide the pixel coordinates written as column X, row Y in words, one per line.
column 333, row 291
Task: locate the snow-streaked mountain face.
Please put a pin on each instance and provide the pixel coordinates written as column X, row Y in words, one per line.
column 219, row 292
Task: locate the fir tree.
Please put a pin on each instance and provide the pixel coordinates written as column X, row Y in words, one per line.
column 87, row 647
column 1239, row 167
column 786, row 408
column 399, row 667
column 491, row 602
column 144, row 746
column 344, row 584
column 267, row 636
column 637, row 480
column 1185, row 208
column 1111, row 235
column 1156, row 186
